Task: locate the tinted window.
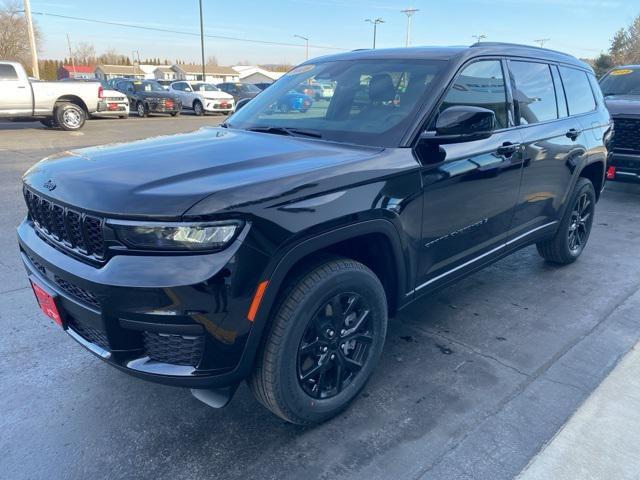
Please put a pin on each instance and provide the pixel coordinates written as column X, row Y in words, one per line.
column 562, row 99
column 481, row 84
column 621, row 81
column 7, row 72
column 178, row 86
column 534, row 93
column 579, row 95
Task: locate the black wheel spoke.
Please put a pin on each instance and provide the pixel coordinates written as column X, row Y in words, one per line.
column 309, row 347
column 352, row 365
column 358, row 325
column 318, row 369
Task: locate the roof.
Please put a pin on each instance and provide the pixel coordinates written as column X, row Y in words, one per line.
column 248, row 70
column 164, row 69
column 79, row 68
column 121, row 69
column 208, row 69
column 459, row 53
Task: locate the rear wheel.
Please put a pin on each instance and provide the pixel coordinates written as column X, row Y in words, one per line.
column 574, row 230
column 324, row 343
column 69, row 116
column 198, row 109
column 175, row 114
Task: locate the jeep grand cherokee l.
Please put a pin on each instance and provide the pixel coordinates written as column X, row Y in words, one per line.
column 621, row 88
column 277, row 246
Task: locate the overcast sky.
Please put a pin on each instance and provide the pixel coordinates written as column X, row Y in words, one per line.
column 580, row 27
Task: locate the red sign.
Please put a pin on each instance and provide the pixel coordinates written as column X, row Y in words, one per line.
column 47, row 303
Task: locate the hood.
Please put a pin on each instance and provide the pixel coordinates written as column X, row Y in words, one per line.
column 216, row 95
column 623, row 104
column 163, row 177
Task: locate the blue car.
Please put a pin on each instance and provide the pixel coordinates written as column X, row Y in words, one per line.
column 293, row 101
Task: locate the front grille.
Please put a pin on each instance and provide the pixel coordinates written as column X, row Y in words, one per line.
column 78, row 292
column 626, row 134
column 175, row 349
column 75, row 230
column 89, row 333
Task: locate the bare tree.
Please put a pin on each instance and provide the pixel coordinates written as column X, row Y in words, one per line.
column 84, row 53
column 110, row 57
column 14, row 40
column 212, row 60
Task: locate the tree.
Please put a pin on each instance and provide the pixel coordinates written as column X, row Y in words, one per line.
column 602, row 64
column 110, row 57
column 14, row 39
column 84, row 53
column 625, row 44
column 212, row 61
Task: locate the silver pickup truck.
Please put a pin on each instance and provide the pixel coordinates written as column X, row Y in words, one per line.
column 56, row 104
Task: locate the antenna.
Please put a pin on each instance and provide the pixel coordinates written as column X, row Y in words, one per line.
column 479, row 37
column 542, row 41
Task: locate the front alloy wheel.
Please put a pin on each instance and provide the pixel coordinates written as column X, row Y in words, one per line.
column 579, row 224
column 335, row 345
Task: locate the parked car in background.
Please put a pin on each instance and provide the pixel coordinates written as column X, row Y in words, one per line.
column 148, row 96
column 66, row 105
column 165, row 83
column 263, row 85
column 621, row 89
column 202, row 97
column 239, row 91
column 112, row 104
column 274, row 248
column 292, row 101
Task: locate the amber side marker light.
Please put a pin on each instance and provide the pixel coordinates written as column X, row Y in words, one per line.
column 257, row 298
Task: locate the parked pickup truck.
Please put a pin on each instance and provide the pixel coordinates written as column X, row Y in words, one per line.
column 56, row 104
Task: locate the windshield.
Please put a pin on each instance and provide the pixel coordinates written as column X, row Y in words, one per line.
column 204, row 87
column 148, row 87
column 373, row 103
column 248, row 88
column 621, row 81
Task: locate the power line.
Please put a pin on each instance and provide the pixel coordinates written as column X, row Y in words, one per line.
column 179, row 32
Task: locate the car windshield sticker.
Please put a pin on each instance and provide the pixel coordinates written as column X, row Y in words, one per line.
column 624, row 71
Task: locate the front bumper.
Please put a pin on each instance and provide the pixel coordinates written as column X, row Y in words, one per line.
column 173, row 319
column 161, row 107
column 627, row 166
column 216, row 106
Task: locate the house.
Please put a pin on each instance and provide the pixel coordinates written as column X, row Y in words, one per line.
column 164, row 72
column 148, row 70
column 255, row 74
column 213, row 73
column 107, row 72
column 76, row 71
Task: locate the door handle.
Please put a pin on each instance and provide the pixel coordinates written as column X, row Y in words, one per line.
column 507, row 149
column 21, row 86
column 573, row 133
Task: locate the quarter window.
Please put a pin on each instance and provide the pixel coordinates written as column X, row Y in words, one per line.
column 578, row 90
column 7, row 72
column 562, row 99
column 534, row 93
column 481, row 84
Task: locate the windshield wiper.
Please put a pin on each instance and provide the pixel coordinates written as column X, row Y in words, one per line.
column 293, row 132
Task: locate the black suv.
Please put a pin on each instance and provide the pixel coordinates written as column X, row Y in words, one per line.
column 275, row 247
column 621, row 88
column 148, row 96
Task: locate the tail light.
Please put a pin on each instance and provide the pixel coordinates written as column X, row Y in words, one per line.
column 611, row 173
column 100, row 92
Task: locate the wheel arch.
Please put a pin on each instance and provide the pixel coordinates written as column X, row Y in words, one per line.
column 73, row 99
column 595, row 173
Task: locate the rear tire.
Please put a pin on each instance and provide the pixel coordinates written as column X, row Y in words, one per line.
column 574, row 230
column 69, row 116
column 175, row 114
column 325, row 340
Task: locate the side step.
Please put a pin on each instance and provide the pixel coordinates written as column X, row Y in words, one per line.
column 216, row 397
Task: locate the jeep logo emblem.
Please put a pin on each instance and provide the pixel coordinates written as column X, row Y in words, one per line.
column 49, row 185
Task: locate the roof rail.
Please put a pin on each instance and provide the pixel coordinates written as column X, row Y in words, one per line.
column 508, row 44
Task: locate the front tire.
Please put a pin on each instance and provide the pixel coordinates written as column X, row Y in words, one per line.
column 198, row 109
column 574, row 230
column 69, row 116
column 141, row 108
column 324, row 343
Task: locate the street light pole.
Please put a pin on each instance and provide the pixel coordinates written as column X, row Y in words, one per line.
column 306, row 40
column 542, row 41
column 409, row 13
column 375, row 23
column 32, row 40
column 204, row 78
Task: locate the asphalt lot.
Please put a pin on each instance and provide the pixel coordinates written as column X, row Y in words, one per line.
column 473, row 382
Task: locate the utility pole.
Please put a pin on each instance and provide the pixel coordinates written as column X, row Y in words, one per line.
column 542, row 41
column 73, row 62
column 204, row 78
column 307, row 45
column 375, row 23
column 32, row 40
column 133, row 61
column 409, row 13
column 479, row 37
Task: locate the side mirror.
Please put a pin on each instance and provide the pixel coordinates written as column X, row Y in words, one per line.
column 462, row 124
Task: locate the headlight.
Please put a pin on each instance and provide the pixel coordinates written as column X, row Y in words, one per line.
column 180, row 236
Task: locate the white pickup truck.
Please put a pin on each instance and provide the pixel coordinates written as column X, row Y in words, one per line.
column 56, row 104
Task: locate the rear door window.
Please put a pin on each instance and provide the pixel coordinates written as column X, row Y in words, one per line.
column 534, row 92
column 578, row 90
column 7, row 72
column 481, row 84
column 562, row 99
